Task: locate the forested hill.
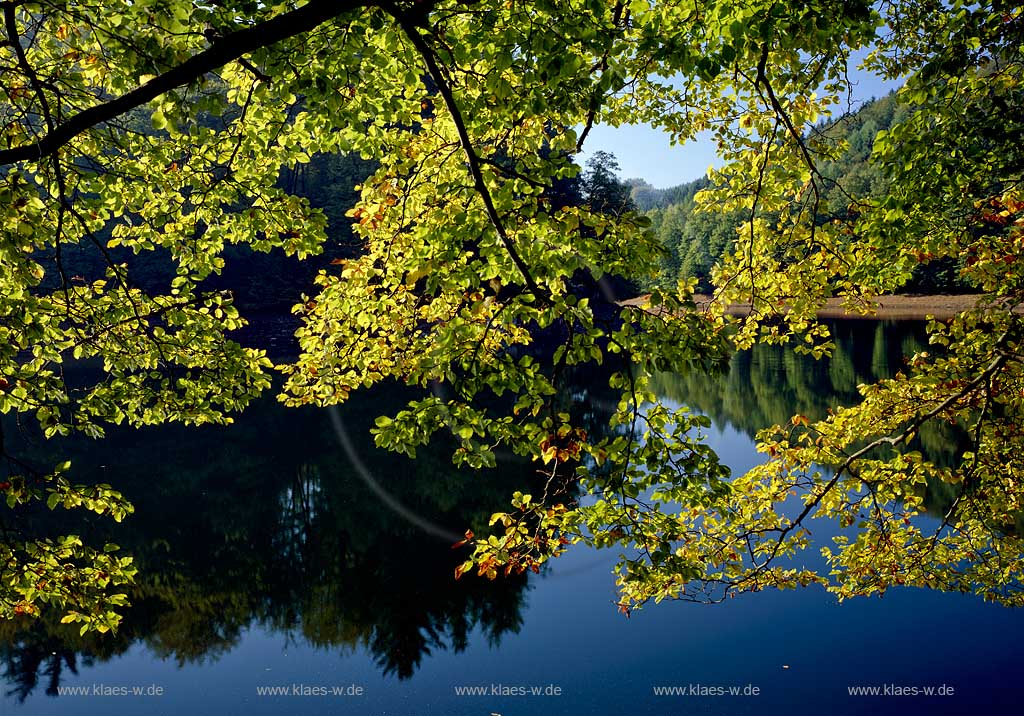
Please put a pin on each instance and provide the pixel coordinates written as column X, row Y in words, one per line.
column 695, row 241
column 646, row 197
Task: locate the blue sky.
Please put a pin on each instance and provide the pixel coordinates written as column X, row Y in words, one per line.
column 644, row 152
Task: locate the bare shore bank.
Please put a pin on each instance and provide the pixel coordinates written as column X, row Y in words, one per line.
column 886, row 308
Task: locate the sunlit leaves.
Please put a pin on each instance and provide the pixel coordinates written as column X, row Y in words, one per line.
column 62, row 573
column 475, row 279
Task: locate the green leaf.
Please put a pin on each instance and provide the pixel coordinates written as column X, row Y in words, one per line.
column 159, row 119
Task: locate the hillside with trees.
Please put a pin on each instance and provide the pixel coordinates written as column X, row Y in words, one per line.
column 696, row 240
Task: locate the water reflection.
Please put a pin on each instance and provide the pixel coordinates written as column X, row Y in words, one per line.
column 266, row 524
column 769, row 384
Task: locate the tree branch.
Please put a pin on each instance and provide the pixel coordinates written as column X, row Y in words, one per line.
column 445, row 90
column 226, row 49
column 596, row 99
column 904, row 437
column 773, row 100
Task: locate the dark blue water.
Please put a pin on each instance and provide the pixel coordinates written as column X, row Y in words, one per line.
column 266, row 562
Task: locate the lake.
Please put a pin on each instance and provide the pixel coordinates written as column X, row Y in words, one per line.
column 288, row 567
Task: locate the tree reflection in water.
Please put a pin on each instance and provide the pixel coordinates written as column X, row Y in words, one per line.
column 266, row 522
column 769, row 385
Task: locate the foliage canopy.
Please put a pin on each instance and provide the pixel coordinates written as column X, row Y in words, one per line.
column 164, row 126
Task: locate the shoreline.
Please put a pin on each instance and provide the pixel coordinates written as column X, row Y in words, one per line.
column 909, row 307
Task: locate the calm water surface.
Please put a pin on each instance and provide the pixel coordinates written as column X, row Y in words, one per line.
column 267, row 559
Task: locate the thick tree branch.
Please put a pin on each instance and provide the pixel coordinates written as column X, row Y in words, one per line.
column 11, row 28
column 762, row 81
column 226, row 49
column 445, row 90
column 596, row 99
